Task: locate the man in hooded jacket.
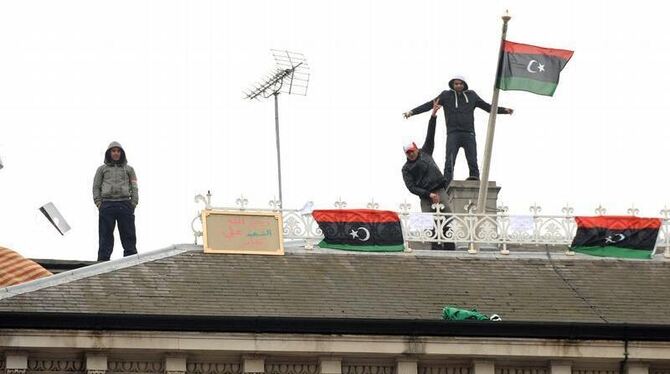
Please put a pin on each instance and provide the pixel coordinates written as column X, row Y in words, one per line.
column 459, row 105
column 115, row 194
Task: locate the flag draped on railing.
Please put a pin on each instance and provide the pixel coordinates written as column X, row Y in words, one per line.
column 360, row 230
column 616, row 236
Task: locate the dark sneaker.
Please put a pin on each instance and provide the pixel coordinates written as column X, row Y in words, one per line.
column 471, row 178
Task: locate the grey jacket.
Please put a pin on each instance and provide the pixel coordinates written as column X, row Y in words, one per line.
column 115, row 180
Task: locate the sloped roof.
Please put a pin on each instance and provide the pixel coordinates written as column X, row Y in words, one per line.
column 329, row 284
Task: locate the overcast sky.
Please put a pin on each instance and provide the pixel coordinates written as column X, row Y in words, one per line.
column 165, row 78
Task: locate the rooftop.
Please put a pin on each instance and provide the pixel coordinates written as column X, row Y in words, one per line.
column 529, row 286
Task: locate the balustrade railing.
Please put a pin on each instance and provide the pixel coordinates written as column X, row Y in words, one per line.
column 500, row 229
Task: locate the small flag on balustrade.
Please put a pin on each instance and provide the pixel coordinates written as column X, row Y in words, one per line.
column 616, row 236
column 16, row 269
column 365, row 230
column 529, row 68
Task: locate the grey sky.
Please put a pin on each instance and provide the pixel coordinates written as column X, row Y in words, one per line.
column 165, row 78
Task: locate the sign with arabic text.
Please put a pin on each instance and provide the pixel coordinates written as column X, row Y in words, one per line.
column 242, row 232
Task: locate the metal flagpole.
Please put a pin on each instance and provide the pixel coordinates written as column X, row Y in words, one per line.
column 484, row 182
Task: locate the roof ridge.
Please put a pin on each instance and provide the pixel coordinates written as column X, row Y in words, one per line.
column 96, row 269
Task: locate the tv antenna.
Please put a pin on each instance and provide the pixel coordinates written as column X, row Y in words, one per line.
column 290, row 76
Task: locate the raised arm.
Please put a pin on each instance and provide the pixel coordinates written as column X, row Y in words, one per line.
column 423, row 107
column 429, row 143
column 481, row 104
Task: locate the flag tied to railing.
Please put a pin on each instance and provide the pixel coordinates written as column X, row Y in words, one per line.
column 360, row 230
column 616, row 236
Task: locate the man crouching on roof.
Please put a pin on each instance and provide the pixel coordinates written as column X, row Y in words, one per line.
column 422, row 176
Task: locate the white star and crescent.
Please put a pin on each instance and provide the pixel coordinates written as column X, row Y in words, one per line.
column 540, row 67
column 616, row 238
column 354, row 234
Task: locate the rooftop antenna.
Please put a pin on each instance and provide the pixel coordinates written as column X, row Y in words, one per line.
column 290, row 76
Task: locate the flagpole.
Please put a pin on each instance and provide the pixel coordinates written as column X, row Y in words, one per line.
column 484, row 181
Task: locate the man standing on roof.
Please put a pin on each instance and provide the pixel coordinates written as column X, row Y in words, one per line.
column 115, row 195
column 422, row 176
column 459, row 106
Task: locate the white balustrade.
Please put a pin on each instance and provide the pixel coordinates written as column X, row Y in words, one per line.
column 501, row 228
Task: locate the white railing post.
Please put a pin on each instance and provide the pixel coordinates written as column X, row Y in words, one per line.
column 404, row 223
column 472, row 227
column 503, row 226
column 665, row 230
column 536, row 209
column 568, row 222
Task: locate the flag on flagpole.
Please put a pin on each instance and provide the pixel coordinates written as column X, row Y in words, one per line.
column 15, row 269
column 525, row 67
column 365, row 230
column 616, row 236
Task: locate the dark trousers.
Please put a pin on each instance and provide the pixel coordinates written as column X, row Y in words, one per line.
column 110, row 213
column 456, row 141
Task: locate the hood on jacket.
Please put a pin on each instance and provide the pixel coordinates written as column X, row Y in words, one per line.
column 465, row 88
column 460, row 78
column 108, row 154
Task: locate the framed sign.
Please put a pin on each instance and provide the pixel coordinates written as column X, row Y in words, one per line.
column 243, row 232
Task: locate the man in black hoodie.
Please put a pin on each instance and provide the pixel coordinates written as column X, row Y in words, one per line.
column 422, row 176
column 459, row 105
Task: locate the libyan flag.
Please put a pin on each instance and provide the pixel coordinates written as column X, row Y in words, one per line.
column 525, row 67
column 365, row 230
column 616, row 236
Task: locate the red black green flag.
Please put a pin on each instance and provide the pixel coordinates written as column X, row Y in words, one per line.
column 616, row 236
column 360, row 230
column 525, row 67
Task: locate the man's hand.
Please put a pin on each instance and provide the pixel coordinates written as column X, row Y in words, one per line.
column 509, row 110
column 407, row 114
column 434, row 197
column 436, row 106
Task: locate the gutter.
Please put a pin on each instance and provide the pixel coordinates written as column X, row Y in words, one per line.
column 356, row 326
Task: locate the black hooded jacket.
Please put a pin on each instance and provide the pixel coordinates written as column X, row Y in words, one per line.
column 422, row 176
column 459, row 109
